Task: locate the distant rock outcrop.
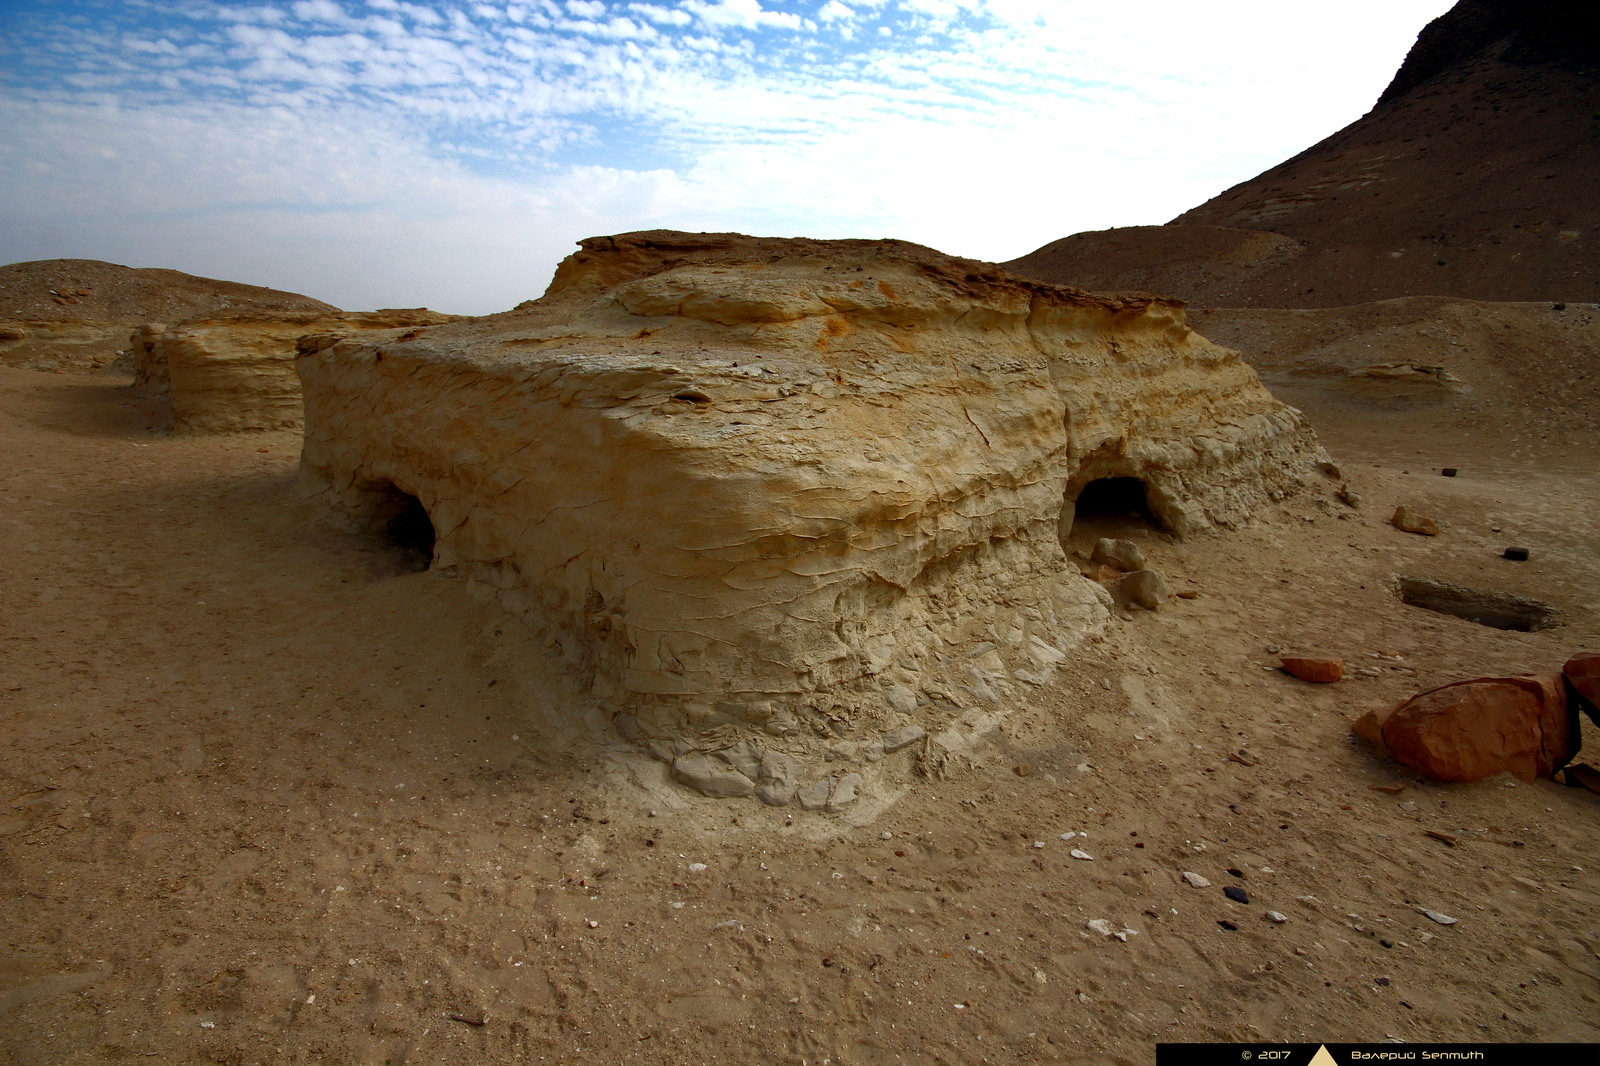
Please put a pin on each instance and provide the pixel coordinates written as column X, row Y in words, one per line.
column 1472, row 177
column 238, row 373
column 772, row 485
column 74, row 314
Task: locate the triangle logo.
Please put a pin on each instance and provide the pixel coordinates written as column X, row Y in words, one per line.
column 1322, row 1058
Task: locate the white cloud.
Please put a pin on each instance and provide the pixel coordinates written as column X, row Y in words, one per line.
column 748, row 14
column 833, row 10
column 318, row 11
column 665, row 16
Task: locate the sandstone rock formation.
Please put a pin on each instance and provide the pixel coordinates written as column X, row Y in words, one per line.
column 238, row 373
column 775, row 484
column 1470, row 730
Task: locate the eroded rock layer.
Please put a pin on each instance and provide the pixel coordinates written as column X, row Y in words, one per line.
column 731, row 471
column 237, row 373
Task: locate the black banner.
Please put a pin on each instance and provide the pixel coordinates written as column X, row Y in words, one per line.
column 1389, row 1054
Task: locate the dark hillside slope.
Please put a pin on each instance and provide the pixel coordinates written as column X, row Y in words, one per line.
column 1476, row 175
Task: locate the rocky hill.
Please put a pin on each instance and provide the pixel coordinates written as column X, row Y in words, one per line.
column 81, row 290
column 1473, row 177
column 76, row 314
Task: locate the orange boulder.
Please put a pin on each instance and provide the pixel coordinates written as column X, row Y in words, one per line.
column 1320, row 671
column 1408, row 520
column 1470, row 730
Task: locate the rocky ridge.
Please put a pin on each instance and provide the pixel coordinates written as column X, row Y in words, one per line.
column 74, row 314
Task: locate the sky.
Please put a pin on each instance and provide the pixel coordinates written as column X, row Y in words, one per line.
column 447, row 153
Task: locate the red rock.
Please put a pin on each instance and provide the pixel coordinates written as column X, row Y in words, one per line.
column 1475, row 729
column 1408, row 520
column 1320, row 671
column 1583, row 674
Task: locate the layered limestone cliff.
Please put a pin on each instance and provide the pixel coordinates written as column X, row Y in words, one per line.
column 237, row 373
column 772, row 484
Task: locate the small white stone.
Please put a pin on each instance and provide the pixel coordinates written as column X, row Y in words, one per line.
column 1442, row 919
column 1100, row 925
column 1275, row 916
column 1077, row 854
column 1195, row 879
column 593, row 924
column 696, row 867
column 1038, row 843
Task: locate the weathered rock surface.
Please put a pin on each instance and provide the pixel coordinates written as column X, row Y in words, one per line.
column 711, row 777
column 1321, row 671
column 757, row 484
column 1122, row 554
column 238, row 373
column 1409, row 521
column 904, row 737
column 900, row 698
column 1145, row 587
column 846, row 791
column 814, row 797
column 1470, row 730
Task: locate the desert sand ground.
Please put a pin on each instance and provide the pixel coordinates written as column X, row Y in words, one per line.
column 271, row 796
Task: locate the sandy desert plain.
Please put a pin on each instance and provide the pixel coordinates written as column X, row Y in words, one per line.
column 273, row 797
